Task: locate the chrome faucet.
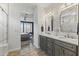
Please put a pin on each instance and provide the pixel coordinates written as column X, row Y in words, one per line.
column 68, row 36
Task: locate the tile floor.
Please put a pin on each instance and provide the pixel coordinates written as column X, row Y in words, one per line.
column 28, row 50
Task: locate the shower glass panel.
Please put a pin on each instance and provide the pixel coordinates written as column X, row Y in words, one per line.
column 3, row 33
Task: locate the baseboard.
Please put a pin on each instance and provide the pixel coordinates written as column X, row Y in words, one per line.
column 36, row 46
column 15, row 49
column 6, row 54
column 13, row 52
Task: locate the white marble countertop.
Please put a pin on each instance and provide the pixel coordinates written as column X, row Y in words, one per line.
column 68, row 40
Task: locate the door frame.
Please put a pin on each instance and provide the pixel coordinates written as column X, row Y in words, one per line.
column 28, row 22
column 32, row 28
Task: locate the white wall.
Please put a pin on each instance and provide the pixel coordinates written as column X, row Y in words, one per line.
column 39, row 21
column 36, row 28
column 14, row 29
column 53, row 10
column 3, row 29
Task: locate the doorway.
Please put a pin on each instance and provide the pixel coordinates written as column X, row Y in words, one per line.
column 27, row 34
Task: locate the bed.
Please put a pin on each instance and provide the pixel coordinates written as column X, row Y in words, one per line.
column 25, row 36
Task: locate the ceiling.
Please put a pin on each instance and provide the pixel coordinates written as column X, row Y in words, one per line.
column 44, row 5
column 28, row 8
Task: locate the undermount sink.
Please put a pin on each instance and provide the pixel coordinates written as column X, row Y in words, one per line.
column 64, row 37
column 61, row 36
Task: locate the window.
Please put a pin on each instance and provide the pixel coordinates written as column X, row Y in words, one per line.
column 26, row 27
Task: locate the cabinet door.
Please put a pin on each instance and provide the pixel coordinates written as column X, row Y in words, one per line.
column 40, row 43
column 50, row 50
column 58, row 50
column 44, row 43
column 66, row 52
column 50, row 47
column 53, row 51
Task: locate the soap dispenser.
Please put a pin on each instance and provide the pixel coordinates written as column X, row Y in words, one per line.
column 42, row 28
column 78, row 29
column 48, row 28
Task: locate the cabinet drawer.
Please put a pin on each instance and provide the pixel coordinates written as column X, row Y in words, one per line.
column 50, row 40
column 68, row 53
column 49, row 44
column 66, row 45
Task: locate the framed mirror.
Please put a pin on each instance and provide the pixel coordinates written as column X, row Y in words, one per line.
column 49, row 23
column 69, row 20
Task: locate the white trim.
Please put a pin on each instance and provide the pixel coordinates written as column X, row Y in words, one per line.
column 14, row 49
column 6, row 53
column 36, row 46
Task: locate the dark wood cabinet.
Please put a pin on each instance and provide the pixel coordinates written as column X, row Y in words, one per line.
column 57, row 48
column 50, row 47
column 43, row 43
column 66, row 52
column 65, row 49
column 59, row 51
column 40, row 42
column 50, row 51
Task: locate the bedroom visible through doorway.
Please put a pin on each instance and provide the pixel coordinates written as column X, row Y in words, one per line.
column 27, row 34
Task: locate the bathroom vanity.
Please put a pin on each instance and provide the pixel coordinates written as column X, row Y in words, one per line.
column 64, row 42
column 55, row 46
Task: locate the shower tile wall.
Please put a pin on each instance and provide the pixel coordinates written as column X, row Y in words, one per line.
column 3, row 29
